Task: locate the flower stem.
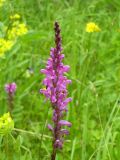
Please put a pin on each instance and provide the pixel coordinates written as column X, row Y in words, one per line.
column 53, row 156
column 10, row 102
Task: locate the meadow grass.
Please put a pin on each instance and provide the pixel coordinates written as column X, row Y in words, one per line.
column 94, row 59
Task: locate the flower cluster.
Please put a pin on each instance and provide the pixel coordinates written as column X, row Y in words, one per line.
column 6, row 124
column 15, row 17
column 5, row 45
column 92, row 27
column 2, row 2
column 17, row 28
column 14, row 30
column 11, row 88
column 56, row 91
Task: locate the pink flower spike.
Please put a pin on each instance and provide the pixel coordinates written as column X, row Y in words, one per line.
column 55, row 84
column 11, row 88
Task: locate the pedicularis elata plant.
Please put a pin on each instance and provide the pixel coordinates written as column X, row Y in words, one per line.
column 56, row 91
column 10, row 89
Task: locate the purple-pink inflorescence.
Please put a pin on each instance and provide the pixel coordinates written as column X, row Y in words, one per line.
column 10, row 88
column 56, row 91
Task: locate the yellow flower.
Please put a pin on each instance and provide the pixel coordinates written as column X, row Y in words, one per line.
column 15, row 16
column 6, row 124
column 18, row 29
column 1, row 2
column 22, row 29
column 15, row 23
column 5, row 45
column 92, row 27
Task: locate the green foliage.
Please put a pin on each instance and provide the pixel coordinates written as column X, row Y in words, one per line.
column 95, row 72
